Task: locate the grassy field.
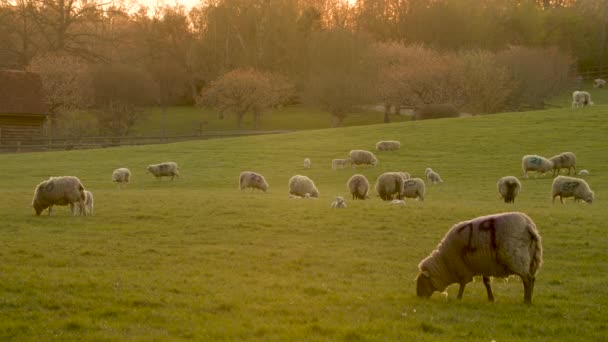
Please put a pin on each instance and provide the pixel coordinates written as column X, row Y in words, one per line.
column 197, row 259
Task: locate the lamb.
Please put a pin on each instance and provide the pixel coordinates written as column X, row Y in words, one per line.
column 398, row 202
column 535, row 163
column 342, row 163
column 253, row 180
column 389, row 145
column 358, row 186
column 59, row 191
column 307, row 163
column 581, row 99
column 339, row 203
column 564, row 186
column 583, row 173
column 302, row 185
column 414, row 188
column 164, row 169
column 362, row 157
column 432, row 176
column 121, row 175
column 599, row 83
column 88, row 202
column 508, row 187
column 566, row 160
column 389, row 184
column 496, row 245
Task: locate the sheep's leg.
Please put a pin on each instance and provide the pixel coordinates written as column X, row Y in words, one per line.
column 486, row 282
column 561, row 199
column 50, row 210
column 528, row 288
column 461, row 290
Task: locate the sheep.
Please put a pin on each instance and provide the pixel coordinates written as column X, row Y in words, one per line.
column 62, row 190
column 339, row 203
column 581, row 99
column 389, row 184
column 599, row 83
column 307, row 163
column 496, row 245
column 340, row 162
column 358, row 186
column 583, row 173
column 564, row 186
column 163, row 169
column 389, row 145
column 302, row 185
column 398, row 202
column 253, row 180
column 535, row 163
column 508, row 187
column 88, row 202
column 566, row 160
column 432, row 176
column 121, row 175
column 414, row 188
column 362, row 157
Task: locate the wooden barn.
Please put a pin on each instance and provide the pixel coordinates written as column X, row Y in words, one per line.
column 23, row 109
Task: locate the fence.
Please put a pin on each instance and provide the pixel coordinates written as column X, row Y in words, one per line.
column 54, row 144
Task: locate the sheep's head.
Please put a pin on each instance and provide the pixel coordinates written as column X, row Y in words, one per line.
column 589, row 197
column 38, row 207
column 424, row 285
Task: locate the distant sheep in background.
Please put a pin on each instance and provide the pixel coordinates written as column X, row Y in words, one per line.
column 414, row 188
column 342, row 163
column 358, row 186
column 249, row 179
column 301, row 186
column 583, row 173
column 164, row 169
column 362, row 157
column 581, row 99
column 339, row 203
column 566, row 160
column 307, row 163
column 535, row 163
column 432, row 176
column 121, row 175
column 389, row 145
column 599, row 83
column 65, row 190
column 564, row 186
column 509, row 187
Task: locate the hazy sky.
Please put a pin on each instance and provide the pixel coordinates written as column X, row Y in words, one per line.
column 186, row 3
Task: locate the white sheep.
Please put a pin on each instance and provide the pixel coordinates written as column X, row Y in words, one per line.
column 565, row 160
column 414, row 188
column 564, row 186
column 307, row 163
column 302, row 185
column 362, row 157
column 163, row 169
column 583, row 173
column 581, row 99
column 509, row 187
column 388, row 145
column 339, row 203
column 390, row 184
column 496, row 245
column 88, row 202
column 65, row 190
column 342, row 163
column 398, row 202
column 535, row 163
column 432, row 177
column 358, row 186
column 253, row 180
column 599, row 83
column 121, row 175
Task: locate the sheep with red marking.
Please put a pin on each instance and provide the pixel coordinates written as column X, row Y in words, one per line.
column 253, row 180
column 168, row 169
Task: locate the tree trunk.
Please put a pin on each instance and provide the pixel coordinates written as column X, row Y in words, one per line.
column 387, row 111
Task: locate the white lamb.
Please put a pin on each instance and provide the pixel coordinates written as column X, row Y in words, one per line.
column 581, row 99
column 121, row 175
column 599, row 83
column 342, row 163
column 339, row 203
column 307, row 163
column 432, row 176
column 88, row 203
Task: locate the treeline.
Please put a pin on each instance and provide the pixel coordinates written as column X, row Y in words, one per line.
column 482, row 55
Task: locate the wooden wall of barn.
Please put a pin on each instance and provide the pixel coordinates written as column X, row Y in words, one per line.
column 23, row 129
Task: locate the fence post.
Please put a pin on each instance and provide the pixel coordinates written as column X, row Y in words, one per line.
column 18, row 146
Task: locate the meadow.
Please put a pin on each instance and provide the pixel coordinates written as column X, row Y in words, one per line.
column 197, row 259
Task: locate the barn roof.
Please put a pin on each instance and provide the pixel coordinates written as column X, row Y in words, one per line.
column 21, row 93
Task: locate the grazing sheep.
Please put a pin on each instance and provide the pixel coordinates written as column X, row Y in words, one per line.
column 398, row 202
column 339, row 203
column 599, row 83
column 361, row 157
column 164, row 169
column 253, row 180
column 414, row 188
column 535, row 163
column 59, row 191
column 581, row 99
column 358, row 186
column 301, row 186
column 566, row 160
column 432, row 176
column 508, row 187
column 389, row 184
column 496, row 245
column 583, row 173
column 564, row 186
column 88, row 202
column 435, row 111
column 121, row 175
column 389, row 145
column 342, row 163
column 307, row 163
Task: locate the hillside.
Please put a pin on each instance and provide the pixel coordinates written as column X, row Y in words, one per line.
column 197, row 259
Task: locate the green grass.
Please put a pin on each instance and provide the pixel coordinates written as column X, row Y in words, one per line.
column 197, row 259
